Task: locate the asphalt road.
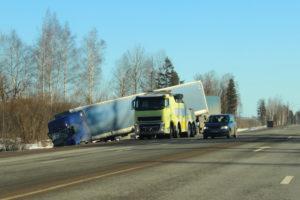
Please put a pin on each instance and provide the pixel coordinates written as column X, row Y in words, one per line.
column 258, row 165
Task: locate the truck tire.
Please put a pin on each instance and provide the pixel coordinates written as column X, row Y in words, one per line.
column 141, row 137
column 194, row 130
column 172, row 131
column 229, row 134
column 189, row 133
column 179, row 133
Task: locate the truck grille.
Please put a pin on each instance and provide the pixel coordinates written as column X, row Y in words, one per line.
column 149, row 128
column 149, row 119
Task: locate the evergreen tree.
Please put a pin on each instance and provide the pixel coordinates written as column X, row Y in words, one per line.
column 232, row 98
column 167, row 76
column 262, row 111
column 175, row 78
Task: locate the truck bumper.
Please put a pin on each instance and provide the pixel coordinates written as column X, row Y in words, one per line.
column 150, row 129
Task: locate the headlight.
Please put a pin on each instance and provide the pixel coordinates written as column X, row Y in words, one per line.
column 224, row 127
column 205, row 127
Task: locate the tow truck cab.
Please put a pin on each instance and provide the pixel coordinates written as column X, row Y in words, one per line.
column 161, row 114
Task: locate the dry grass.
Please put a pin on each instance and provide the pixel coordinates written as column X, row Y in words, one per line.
column 247, row 122
column 27, row 119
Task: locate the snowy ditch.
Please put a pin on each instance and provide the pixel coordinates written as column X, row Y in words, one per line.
column 16, row 145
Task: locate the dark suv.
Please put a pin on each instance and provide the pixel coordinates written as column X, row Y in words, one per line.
column 220, row 125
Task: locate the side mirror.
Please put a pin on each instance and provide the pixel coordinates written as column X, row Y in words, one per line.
column 178, row 98
column 166, row 103
column 133, row 103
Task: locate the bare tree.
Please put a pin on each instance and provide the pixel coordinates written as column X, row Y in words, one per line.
column 149, row 76
column 151, row 71
column 130, row 71
column 92, row 59
column 121, row 77
column 136, row 60
column 68, row 57
column 215, row 86
column 277, row 111
column 211, row 83
column 15, row 63
column 48, row 56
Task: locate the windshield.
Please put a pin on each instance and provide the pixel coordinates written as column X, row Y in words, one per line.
column 218, row 119
column 151, row 103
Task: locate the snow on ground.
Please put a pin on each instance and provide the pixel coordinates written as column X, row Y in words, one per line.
column 251, row 129
column 47, row 144
column 17, row 145
column 40, row 145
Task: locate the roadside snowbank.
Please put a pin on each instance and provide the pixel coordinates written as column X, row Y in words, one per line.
column 47, row 144
column 17, row 145
column 251, row 129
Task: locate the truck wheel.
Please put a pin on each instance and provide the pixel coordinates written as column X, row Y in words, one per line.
column 141, row 137
column 172, row 131
column 228, row 135
column 179, row 133
column 194, row 131
column 189, row 133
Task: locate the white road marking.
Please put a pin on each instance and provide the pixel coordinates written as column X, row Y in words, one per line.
column 52, row 161
column 261, row 148
column 287, row 180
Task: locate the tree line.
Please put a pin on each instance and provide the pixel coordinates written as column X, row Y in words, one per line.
column 225, row 87
column 274, row 109
column 56, row 72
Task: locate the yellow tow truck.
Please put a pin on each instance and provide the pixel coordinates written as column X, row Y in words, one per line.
column 163, row 115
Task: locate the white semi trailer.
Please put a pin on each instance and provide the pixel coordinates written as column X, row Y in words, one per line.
column 109, row 119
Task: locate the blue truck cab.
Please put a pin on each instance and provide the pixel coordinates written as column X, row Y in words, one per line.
column 220, row 125
column 68, row 128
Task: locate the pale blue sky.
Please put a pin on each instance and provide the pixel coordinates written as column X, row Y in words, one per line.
column 256, row 40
